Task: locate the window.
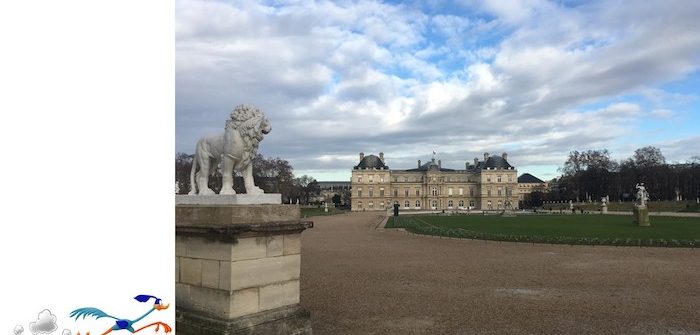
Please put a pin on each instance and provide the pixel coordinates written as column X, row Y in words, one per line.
column 472, row 203
column 417, row 203
column 371, row 177
column 488, row 204
column 510, row 178
column 381, row 179
column 499, row 191
column 500, row 204
column 461, row 203
column 499, row 179
column 461, row 191
column 449, row 191
column 405, row 191
column 381, row 204
column 449, row 204
column 418, row 192
column 371, row 192
column 371, row 204
column 488, row 192
column 471, row 191
column 359, row 204
column 396, row 192
column 434, row 204
column 406, row 204
column 488, row 179
column 359, row 192
column 381, row 191
column 359, row 179
column 435, row 191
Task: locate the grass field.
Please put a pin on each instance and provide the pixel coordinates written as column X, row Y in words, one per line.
column 306, row 212
column 566, row 229
column 654, row 206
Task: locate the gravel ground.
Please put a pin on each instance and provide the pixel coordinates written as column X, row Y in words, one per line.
column 359, row 280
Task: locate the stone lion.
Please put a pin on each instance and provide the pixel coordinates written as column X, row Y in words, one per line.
column 236, row 147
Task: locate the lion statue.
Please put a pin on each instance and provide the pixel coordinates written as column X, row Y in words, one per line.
column 236, row 148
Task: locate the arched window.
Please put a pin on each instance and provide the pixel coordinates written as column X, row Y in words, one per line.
column 406, row 204
column 417, row 203
column 434, row 204
column 449, row 204
column 359, row 204
column 461, row 203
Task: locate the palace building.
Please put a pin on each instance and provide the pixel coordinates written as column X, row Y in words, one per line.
column 490, row 184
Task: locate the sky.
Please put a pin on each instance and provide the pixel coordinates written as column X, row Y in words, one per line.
column 536, row 79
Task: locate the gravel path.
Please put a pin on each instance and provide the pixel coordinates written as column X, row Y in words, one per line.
column 359, row 280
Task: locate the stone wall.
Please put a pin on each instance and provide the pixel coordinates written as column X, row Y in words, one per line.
column 238, row 268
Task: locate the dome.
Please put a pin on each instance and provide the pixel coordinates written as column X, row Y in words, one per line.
column 371, row 162
column 497, row 162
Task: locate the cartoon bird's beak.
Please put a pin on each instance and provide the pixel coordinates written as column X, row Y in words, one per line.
column 161, row 307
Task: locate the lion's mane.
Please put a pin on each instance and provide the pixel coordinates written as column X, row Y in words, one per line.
column 246, row 120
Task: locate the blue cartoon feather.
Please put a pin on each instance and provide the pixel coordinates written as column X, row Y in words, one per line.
column 127, row 324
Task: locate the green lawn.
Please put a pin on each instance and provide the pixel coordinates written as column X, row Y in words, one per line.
column 654, row 206
column 568, row 229
column 306, row 212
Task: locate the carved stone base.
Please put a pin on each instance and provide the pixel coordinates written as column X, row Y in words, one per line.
column 289, row 320
column 603, row 209
column 641, row 216
column 232, row 199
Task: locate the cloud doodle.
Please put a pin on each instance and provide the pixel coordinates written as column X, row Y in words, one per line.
column 18, row 330
column 45, row 323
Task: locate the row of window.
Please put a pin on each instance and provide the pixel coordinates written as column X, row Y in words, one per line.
column 407, row 204
column 434, row 191
column 499, row 178
column 371, row 178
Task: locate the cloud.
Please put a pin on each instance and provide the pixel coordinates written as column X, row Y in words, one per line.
column 66, row 332
column 45, row 323
column 534, row 78
column 18, row 330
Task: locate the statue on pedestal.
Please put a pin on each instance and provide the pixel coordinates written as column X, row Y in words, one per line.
column 236, row 148
column 642, row 195
column 640, row 211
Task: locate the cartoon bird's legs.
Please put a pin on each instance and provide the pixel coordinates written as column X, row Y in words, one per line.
column 157, row 324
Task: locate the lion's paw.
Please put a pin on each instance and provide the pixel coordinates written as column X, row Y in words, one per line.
column 255, row 190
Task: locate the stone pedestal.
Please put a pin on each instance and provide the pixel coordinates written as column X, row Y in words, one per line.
column 641, row 216
column 603, row 209
column 238, row 266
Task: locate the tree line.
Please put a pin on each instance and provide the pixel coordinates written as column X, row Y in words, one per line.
column 592, row 174
column 273, row 175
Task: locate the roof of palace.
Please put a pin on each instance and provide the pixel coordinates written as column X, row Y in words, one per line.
column 528, row 178
column 371, row 162
column 495, row 162
column 430, row 166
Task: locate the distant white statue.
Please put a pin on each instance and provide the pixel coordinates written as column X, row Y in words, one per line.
column 236, row 147
column 604, row 201
column 642, row 195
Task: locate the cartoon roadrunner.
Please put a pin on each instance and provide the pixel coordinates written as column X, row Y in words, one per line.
column 125, row 323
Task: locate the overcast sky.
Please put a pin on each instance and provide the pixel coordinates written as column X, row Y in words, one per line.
column 536, row 79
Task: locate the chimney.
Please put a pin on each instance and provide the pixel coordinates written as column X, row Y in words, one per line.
column 419, row 163
column 476, row 161
column 381, row 157
column 486, row 156
column 504, row 155
column 362, row 155
column 439, row 163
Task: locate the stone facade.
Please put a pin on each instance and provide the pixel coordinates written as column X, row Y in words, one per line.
column 528, row 183
column 237, row 267
column 487, row 184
